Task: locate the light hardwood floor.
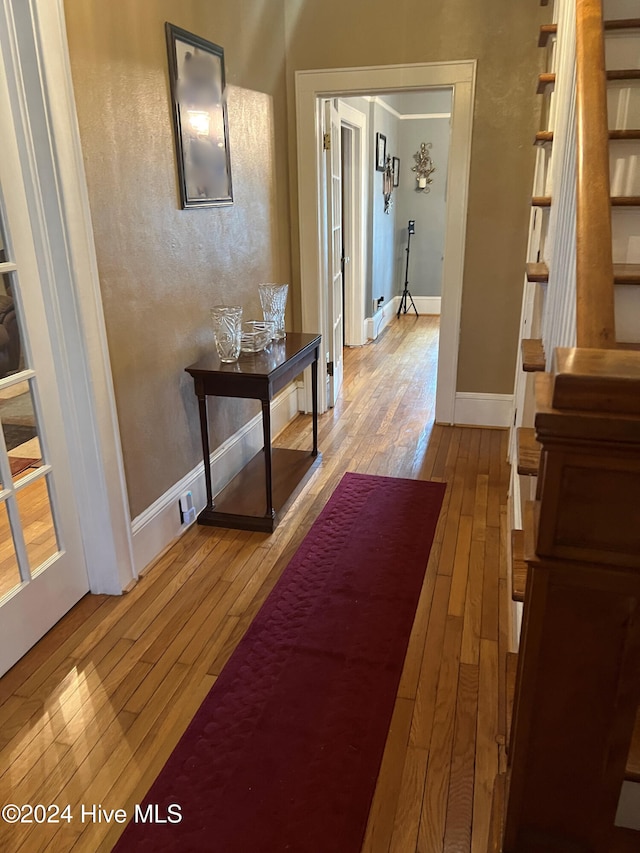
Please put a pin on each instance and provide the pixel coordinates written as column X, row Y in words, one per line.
column 91, row 713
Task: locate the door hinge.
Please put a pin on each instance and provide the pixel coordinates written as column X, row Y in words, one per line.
column 330, row 368
column 326, row 142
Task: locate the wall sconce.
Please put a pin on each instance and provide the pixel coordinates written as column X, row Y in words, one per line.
column 424, row 167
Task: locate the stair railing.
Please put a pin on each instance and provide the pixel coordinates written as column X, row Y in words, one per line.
column 559, row 317
column 578, row 684
column 594, row 286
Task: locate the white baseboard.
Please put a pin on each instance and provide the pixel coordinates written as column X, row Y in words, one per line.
column 373, row 326
column 424, row 304
column 427, row 304
column 159, row 525
column 490, row 410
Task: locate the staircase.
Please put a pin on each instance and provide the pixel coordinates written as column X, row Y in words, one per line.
column 573, row 773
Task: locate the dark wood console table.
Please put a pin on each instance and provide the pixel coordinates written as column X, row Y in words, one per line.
column 255, row 496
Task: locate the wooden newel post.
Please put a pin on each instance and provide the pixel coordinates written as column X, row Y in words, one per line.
column 578, row 684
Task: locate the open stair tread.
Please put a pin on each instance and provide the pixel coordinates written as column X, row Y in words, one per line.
column 533, row 357
column 613, row 75
column 616, row 201
column 626, row 273
column 528, row 452
column 622, row 24
column 624, row 134
column 615, row 135
column 623, row 74
column 544, row 80
column 622, row 273
column 537, row 272
column 548, row 30
column 625, row 201
column 543, row 136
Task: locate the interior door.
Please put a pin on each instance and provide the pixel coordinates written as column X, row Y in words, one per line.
column 334, row 265
column 42, row 567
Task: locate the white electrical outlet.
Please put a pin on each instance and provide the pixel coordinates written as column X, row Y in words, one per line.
column 187, row 509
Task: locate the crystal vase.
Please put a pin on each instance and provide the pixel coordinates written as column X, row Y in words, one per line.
column 227, row 327
column 273, row 298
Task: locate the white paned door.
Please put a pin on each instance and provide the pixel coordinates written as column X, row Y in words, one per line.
column 334, row 265
column 42, row 565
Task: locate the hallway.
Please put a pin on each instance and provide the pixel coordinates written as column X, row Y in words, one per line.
column 92, row 712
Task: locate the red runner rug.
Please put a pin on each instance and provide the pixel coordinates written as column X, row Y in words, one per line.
column 284, row 752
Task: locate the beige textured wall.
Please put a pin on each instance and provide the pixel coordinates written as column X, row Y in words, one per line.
column 162, row 268
column 502, row 36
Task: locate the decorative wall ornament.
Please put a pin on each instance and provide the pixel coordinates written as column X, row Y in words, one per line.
column 381, row 151
column 424, row 168
column 387, row 183
column 396, row 171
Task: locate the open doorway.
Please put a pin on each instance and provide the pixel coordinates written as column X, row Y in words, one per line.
column 313, row 90
column 400, row 123
column 355, row 162
column 372, row 257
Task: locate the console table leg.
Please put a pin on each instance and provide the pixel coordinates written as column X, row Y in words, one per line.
column 266, row 429
column 314, row 403
column 206, row 454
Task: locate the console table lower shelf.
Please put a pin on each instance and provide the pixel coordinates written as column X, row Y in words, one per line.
column 242, row 503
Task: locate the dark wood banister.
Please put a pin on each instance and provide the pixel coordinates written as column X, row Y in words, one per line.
column 577, row 690
column 594, row 286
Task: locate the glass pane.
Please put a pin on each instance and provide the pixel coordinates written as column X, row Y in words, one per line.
column 9, row 574
column 34, row 504
column 21, row 467
column 11, row 349
column 19, row 425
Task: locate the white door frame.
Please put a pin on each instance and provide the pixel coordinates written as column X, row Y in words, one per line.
column 346, row 82
column 53, row 176
column 332, row 268
column 354, row 308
